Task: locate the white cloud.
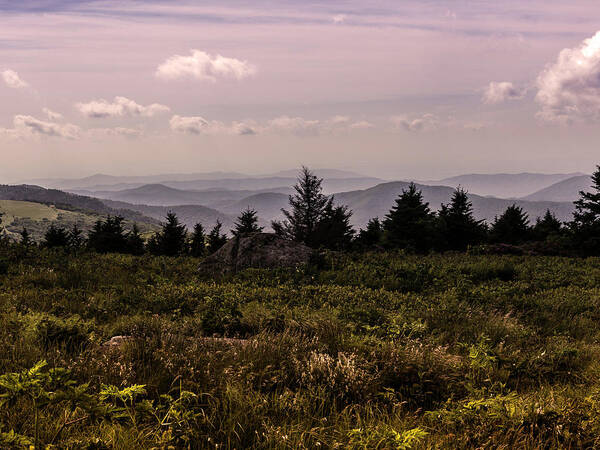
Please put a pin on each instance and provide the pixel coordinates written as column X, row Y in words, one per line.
column 12, row 79
column 281, row 125
column 120, row 106
column 130, row 133
column 199, row 125
column 28, row 126
column 501, row 91
column 192, row 125
column 339, row 18
column 419, row 123
column 569, row 89
column 362, row 125
column 205, row 67
column 52, row 115
column 294, row 125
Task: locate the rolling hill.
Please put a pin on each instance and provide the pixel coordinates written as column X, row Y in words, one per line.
column 37, row 217
column 187, row 214
column 268, row 206
column 377, row 201
column 502, row 185
column 68, row 201
column 161, row 195
column 563, row 191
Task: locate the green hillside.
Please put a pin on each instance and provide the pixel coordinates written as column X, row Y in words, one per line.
column 37, row 217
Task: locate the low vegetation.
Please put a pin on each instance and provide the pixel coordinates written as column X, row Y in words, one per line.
column 377, row 350
column 108, row 341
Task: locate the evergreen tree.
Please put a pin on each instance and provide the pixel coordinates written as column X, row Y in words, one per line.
column 371, row 235
column 198, row 241
column 457, row 227
column 308, row 207
column 2, row 229
column 135, row 242
column 25, row 238
column 216, row 240
column 512, row 227
column 76, row 239
column 586, row 218
column 247, row 222
column 171, row 240
column 55, row 236
column 333, row 229
column 410, row 223
column 108, row 236
column 546, row 227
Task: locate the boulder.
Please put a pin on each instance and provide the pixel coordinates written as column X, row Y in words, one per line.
column 256, row 250
column 117, row 341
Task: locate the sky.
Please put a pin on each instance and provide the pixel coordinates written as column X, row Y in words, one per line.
column 419, row 89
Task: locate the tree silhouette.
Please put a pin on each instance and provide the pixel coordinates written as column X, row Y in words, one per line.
column 547, row 226
column 333, row 230
column 135, row 242
column 216, row 240
column 55, row 236
column 512, row 227
column 25, row 238
column 76, row 239
column 457, row 227
column 308, row 207
column 198, row 241
column 371, row 235
column 247, row 222
column 108, row 236
column 171, row 240
column 409, row 224
column 586, row 218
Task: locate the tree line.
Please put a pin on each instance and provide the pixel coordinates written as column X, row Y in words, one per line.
column 317, row 221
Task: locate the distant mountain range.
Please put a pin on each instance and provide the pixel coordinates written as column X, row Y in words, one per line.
column 189, row 215
column 503, row 185
column 563, row 191
column 222, row 196
column 161, row 195
column 206, row 180
column 377, row 201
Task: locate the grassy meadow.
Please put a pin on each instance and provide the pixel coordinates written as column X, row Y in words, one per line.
column 37, row 217
column 380, row 350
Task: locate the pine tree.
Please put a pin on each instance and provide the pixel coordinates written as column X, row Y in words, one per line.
column 547, row 226
column 76, row 239
column 56, row 236
column 410, row 223
column 512, row 227
column 371, row 235
column 457, row 227
column 308, row 207
column 2, row 229
column 333, row 230
column 171, row 240
column 247, row 222
column 586, row 218
column 25, row 238
column 216, row 240
column 108, row 236
column 198, row 241
column 135, row 242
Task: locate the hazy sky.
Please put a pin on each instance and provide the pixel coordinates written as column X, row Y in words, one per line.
column 399, row 89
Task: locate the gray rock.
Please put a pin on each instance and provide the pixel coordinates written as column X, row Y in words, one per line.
column 256, row 250
column 117, row 341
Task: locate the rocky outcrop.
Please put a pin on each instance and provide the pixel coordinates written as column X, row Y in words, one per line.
column 256, row 250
